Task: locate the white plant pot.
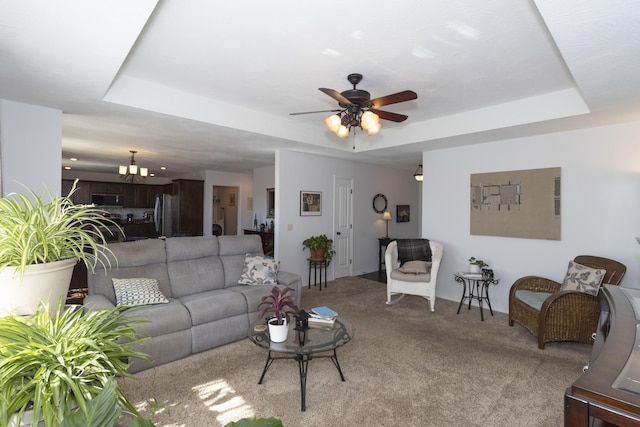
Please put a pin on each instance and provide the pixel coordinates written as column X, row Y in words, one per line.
column 41, row 282
column 475, row 269
column 278, row 333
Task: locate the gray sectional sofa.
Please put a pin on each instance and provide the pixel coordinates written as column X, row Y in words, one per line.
column 199, row 276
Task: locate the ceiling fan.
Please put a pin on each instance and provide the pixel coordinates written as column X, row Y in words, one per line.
column 357, row 109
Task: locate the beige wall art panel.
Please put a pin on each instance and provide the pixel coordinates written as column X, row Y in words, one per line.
column 523, row 203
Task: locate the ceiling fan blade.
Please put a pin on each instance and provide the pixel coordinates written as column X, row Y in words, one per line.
column 394, row 117
column 313, row 112
column 406, row 95
column 336, row 95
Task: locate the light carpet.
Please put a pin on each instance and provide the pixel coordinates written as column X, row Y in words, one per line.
column 405, row 366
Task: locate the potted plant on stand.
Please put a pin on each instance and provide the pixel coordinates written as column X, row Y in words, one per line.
column 476, row 265
column 40, row 244
column 282, row 306
column 320, row 248
column 57, row 366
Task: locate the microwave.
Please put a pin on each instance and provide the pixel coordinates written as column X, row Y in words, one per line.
column 107, row 199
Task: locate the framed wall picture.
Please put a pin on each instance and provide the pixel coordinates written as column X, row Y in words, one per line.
column 310, row 203
column 403, row 213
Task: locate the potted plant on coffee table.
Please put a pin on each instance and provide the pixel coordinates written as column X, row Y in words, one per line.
column 280, row 303
column 40, row 244
column 54, row 363
column 320, row 248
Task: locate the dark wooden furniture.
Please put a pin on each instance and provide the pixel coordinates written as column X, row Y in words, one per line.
column 383, row 242
column 608, row 393
column 267, row 240
column 190, row 206
column 134, row 195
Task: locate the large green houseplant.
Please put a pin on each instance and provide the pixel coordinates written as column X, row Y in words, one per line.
column 54, row 363
column 40, row 243
column 320, row 247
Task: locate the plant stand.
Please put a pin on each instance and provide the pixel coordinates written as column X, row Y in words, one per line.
column 317, row 266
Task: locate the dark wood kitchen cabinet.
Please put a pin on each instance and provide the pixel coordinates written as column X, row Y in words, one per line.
column 82, row 194
column 190, row 194
column 140, row 195
column 107, row 187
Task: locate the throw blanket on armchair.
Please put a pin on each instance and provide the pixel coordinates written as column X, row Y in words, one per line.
column 413, row 250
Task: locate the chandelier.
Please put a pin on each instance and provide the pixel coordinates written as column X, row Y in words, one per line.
column 352, row 117
column 132, row 173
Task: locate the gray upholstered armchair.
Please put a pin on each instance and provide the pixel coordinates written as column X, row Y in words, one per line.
column 412, row 275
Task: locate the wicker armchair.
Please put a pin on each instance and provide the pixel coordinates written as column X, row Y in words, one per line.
column 564, row 315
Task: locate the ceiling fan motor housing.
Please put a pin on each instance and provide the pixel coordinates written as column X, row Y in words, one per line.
column 356, row 96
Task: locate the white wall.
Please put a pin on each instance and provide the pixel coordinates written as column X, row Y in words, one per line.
column 263, row 178
column 600, row 205
column 297, row 172
column 31, row 148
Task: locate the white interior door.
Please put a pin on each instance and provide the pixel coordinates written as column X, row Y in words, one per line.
column 343, row 225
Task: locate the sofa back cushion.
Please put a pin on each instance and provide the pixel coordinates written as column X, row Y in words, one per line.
column 194, row 265
column 141, row 258
column 233, row 250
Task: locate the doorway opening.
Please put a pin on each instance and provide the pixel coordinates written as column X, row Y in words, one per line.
column 224, row 212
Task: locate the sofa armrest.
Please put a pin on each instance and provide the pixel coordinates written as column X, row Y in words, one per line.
column 97, row 302
column 293, row 281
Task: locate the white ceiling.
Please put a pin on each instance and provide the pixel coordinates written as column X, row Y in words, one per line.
column 210, row 84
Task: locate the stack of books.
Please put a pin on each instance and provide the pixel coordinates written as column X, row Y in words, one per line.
column 322, row 316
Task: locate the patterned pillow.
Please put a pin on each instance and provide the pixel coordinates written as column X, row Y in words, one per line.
column 259, row 270
column 138, row 291
column 582, row 279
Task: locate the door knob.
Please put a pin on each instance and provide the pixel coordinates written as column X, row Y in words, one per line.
column 338, row 233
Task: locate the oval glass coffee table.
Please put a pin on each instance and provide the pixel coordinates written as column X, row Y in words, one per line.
column 314, row 342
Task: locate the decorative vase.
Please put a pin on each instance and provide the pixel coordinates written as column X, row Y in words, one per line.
column 278, row 333
column 41, row 282
column 474, row 269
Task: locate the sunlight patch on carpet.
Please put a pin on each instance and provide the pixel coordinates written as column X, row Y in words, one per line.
column 222, row 399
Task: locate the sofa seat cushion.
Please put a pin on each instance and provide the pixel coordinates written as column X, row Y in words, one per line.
column 161, row 319
column 410, row 277
column 209, row 306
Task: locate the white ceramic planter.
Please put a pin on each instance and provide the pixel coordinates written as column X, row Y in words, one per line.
column 278, row 333
column 41, row 282
column 475, row 269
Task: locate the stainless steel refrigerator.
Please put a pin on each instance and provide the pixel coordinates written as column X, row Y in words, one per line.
column 166, row 215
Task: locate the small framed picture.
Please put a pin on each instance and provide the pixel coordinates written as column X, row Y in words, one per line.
column 402, row 213
column 310, row 203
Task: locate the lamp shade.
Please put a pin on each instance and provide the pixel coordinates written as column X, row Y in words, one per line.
column 386, row 216
column 418, row 175
column 333, row 123
column 343, row 132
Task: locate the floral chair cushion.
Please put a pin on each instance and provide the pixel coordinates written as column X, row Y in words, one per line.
column 582, row 279
column 259, row 270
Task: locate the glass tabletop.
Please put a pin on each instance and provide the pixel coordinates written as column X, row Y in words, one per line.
column 315, row 339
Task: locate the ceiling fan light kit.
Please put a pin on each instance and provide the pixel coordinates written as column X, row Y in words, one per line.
column 359, row 110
